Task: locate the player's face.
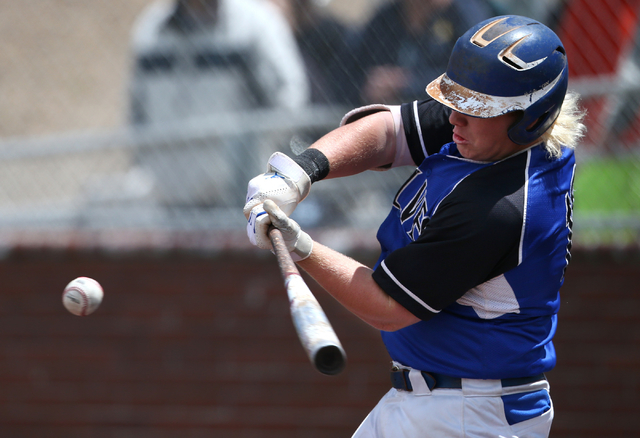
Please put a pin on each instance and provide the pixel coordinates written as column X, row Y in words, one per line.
column 484, row 139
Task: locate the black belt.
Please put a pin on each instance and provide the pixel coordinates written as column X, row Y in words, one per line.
column 400, row 380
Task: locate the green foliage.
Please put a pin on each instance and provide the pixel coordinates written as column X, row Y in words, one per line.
column 608, row 185
column 607, row 202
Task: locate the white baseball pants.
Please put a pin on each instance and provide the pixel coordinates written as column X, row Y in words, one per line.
column 477, row 410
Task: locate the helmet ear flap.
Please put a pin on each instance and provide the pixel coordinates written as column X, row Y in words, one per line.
column 530, row 128
column 541, row 115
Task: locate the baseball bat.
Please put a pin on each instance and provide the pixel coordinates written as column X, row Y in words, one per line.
column 314, row 330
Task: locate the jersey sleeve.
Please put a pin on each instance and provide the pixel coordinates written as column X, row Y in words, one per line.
column 426, row 127
column 473, row 236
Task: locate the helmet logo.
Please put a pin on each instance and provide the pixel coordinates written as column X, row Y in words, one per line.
column 506, row 55
column 479, row 39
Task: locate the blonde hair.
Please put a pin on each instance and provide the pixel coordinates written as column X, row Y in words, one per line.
column 568, row 128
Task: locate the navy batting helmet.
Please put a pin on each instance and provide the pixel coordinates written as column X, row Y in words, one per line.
column 505, row 64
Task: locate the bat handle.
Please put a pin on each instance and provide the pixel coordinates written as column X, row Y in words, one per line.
column 314, row 329
column 285, row 262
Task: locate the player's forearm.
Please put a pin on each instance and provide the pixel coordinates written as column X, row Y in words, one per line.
column 350, row 282
column 365, row 144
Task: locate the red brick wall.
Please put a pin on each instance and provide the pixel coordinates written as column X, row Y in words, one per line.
column 596, row 384
column 190, row 345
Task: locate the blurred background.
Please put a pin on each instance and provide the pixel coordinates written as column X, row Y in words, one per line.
column 128, row 132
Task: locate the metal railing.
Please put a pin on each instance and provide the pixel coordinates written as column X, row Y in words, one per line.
column 191, row 175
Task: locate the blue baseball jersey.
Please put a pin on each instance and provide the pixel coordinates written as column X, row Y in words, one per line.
column 478, row 252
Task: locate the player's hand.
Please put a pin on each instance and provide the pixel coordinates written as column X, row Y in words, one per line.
column 261, row 217
column 285, row 182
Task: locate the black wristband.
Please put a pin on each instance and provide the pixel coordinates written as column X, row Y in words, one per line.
column 314, row 163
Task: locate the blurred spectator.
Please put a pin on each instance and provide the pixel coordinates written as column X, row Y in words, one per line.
column 407, row 44
column 194, row 59
column 323, row 43
column 197, row 57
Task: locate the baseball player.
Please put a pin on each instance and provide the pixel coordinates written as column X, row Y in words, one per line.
column 474, row 250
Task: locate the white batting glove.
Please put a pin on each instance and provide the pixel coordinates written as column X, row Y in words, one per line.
column 257, row 227
column 285, row 182
column 261, row 217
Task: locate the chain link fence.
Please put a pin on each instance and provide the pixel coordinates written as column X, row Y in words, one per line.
column 145, row 115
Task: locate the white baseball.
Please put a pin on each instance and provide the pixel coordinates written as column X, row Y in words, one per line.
column 82, row 296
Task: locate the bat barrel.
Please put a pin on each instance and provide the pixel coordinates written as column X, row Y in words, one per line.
column 314, row 329
column 329, row 359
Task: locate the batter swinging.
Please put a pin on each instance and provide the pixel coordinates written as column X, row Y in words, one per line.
column 466, row 289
